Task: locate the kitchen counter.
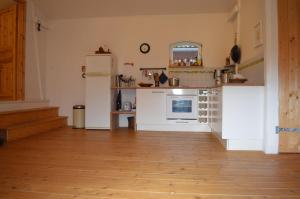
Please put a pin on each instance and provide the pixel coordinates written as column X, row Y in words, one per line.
column 168, row 87
column 188, row 87
column 179, row 87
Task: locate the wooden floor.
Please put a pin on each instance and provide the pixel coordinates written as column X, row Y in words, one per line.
column 81, row 164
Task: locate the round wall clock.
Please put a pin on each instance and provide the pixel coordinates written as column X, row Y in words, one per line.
column 144, row 48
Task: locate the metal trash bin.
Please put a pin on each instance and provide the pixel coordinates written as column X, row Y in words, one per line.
column 78, row 116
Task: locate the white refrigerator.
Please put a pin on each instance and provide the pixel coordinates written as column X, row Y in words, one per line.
column 99, row 70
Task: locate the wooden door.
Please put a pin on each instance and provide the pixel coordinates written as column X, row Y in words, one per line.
column 8, row 29
column 12, row 39
column 289, row 74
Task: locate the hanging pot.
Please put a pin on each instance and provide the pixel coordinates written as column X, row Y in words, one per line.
column 235, row 54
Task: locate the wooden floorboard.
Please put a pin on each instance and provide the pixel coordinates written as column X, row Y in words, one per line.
column 71, row 163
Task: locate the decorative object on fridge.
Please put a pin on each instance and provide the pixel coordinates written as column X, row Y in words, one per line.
column 101, row 50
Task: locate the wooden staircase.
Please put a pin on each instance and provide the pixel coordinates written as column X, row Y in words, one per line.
column 23, row 123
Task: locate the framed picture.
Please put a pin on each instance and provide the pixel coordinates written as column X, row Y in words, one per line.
column 258, row 35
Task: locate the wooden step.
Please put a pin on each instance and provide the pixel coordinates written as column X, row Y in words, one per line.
column 10, row 118
column 19, row 131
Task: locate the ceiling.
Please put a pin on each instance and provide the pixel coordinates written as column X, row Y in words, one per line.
column 64, row 9
column 6, row 3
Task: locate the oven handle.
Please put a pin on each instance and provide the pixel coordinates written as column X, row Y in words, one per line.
column 181, row 122
column 191, row 95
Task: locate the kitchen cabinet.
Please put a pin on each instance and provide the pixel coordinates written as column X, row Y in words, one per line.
column 152, row 111
column 203, row 114
column 151, row 106
column 215, row 110
column 236, row 116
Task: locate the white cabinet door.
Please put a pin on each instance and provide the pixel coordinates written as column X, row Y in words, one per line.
column 151, row 106
column 242, row 112
column 210, row 109
column 219, row 110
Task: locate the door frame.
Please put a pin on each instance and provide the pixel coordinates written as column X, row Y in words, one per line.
column 271, row 117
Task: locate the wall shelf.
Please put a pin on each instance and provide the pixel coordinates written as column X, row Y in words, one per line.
column 184, row 67
column 114, row 118
column 124, row 88
column 123, row 112
column 164, row 68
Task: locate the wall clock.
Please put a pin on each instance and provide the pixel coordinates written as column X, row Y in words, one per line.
column 144, row 48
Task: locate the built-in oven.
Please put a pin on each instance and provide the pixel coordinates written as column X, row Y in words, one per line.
column 182, row 104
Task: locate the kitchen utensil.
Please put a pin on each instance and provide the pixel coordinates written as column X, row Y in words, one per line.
column 150, row 74
column 237, row 80
column 156, row 76
column 119, row 101
column 156, row 79
column 144, row 84
column 217, row 76
column 235, row 54
column 163, row 78
column 127, row 106
column 225, row 78
column 173, row 82
column 117, row 81
column 217, row 73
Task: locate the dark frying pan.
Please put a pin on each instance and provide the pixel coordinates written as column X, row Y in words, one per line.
column 235, row 54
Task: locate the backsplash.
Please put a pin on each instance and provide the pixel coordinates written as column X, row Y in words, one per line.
column 194, row 78
column 188, row 76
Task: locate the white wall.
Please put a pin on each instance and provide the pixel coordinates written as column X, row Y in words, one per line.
column 35, row 55
column 70, row 40
column 254, row 74
column 251, row 12
column 35, row 64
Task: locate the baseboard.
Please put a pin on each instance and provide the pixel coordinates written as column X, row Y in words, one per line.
column 245, row 145
column 174, row 127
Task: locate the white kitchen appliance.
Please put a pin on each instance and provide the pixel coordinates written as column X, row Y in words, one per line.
column 182, row 105
column 98, row 91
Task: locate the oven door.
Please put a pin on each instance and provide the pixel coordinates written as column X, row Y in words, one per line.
column 182, row 107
